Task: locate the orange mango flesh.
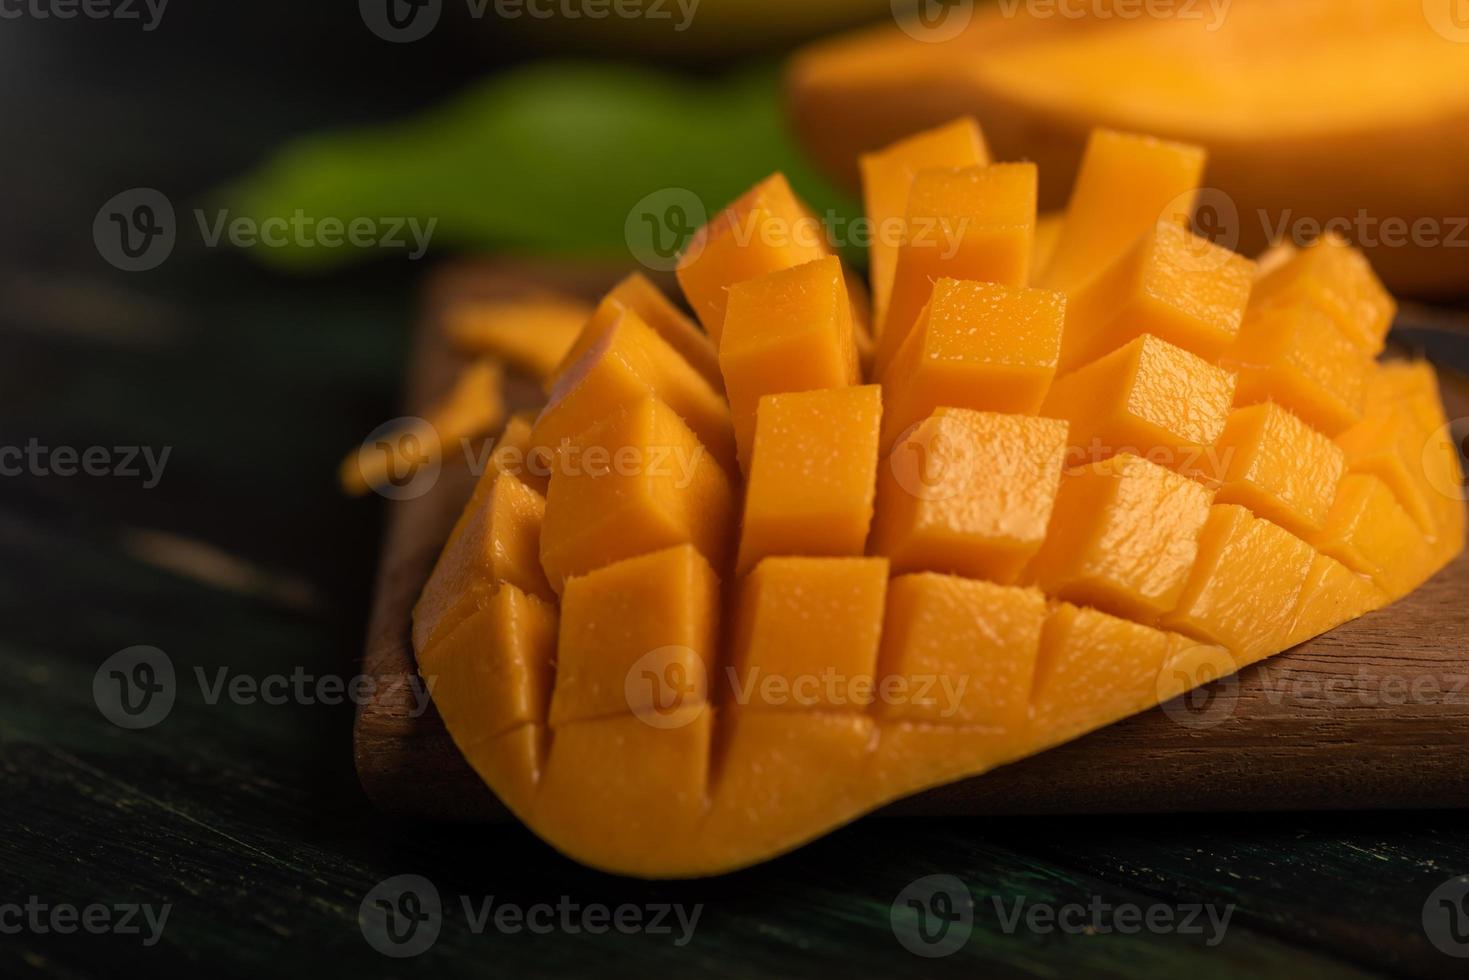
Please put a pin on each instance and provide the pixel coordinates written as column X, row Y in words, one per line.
column 676, row 666
column 787, row 331
column 532, row 335
column 887, row 180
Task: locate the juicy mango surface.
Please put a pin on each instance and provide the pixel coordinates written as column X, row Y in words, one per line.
column 1072, row 483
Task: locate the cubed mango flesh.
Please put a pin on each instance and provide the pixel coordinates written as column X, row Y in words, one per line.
column 627, row 363
column 1172, row 284
column 638, row 636
column 956, row 651
column 1331, row 595
column 1368, row 531
column 1124, row 536
column 969, row 493
column 766, row 230
column 1296, row 356
column 806, row 634
column 974, row 223
column 813, row 474
column 887, row 179
column 1336, row 279
column 1148, row 398
column 787, row 331
column 1126, row 185
column 1280, row 468
column 636, row 483
column 983, row 346
column 1243, row 588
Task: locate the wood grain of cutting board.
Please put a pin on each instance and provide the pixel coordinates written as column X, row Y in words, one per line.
column 1374, row 714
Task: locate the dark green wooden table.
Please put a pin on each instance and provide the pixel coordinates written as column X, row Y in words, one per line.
column 246, row 817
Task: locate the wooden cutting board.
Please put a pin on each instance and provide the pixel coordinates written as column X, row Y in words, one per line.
column 1372, row 715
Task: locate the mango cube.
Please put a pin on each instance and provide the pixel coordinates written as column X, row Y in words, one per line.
column 626, row 363
column 1148, row 398
column 1126, row 185
column 813, row 474
column 974, row 223
column 1091, row 670
column 1280, row 468
column 766, row 230
column 1332, row 595
column 887, row 179
column 1369, row 532
column 1295, row 355
column 638, row 636
column 493, row 671
column 787, row 331
column 806, row 634
column 983, row 346
column 1124, row 535
column 1243, row 589
column 639, row 482
column 1389, row 445
column 497, row 540
column 1172, row 284
column 969, row 493
column 959, row 652
column 1333, row 277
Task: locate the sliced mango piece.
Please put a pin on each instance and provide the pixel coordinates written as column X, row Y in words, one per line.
column 766, row 230
column 1389, row 446
column 813, row 474
column 638, row 636
column 1172, row 284
column 1047, row 236
column 959, row 652
column 971, row 223
column 1331, row 595
column 969, row 493
column 1369, row 532
column 1148, row 398
column 639, row 482
column 531, row 334
column 1280, row 468
column 978, row 345
column 1333, row 277
column 1124, row 535
column 787, row 331
column 1295, row 355
column 806, row 634
column 1126, row 185
column 639, row 294
column 492, row 672
column 496, row 540
column 627, row 363
column 1243, row 588
column 887, row 179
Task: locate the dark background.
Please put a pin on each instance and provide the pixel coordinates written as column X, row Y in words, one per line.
column 248, row 819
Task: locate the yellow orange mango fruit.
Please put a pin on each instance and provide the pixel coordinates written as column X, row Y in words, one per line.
column 947, row 556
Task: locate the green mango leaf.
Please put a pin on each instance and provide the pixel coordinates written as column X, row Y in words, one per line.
column 550, row 159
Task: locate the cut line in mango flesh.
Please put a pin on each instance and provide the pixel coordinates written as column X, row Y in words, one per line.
column 1072, row 482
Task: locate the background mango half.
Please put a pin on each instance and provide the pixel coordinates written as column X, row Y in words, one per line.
column 1318, row 115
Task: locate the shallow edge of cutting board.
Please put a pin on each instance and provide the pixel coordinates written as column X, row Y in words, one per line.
column 1373, row 715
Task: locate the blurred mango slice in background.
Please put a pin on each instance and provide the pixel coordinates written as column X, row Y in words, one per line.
column 1352, row 112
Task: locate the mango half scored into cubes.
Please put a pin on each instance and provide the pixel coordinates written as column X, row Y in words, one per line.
column 769, row 575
